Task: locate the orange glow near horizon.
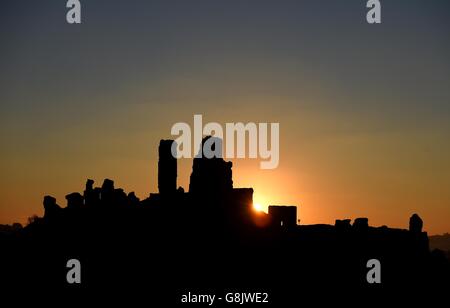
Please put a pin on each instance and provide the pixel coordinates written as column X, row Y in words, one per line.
column 320, row 196
column 328, row 176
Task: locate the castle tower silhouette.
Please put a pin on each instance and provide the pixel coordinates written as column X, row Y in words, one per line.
column 167, row 168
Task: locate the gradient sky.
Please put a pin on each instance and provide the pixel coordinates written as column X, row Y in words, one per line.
column 363, row 109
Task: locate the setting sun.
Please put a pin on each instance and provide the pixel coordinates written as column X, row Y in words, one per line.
column 257, row 207
column 260, row 203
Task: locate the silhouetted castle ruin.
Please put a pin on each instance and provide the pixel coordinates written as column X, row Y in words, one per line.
column 211, row 192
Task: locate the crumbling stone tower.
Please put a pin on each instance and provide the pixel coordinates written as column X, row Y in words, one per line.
column 167, row 168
